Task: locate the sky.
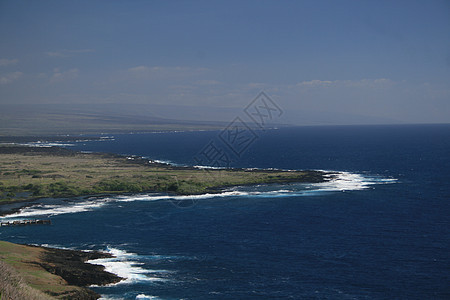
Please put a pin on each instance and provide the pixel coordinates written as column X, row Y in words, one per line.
column 321, row 62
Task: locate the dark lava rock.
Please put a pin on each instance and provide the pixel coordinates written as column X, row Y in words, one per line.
column 71, row 265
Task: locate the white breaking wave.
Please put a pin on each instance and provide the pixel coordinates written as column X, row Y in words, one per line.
column 126, row 265
column 138, row 297
column 248, row 169
column 56, row 209
column 339, row 181
column 92, row 204
column 209, row 167
column 146, row 297
column 346, row 181
column 70, row 143
column 164, row 162
column 48, row 144
column 150, row 197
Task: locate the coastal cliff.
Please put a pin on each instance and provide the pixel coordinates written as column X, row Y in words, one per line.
column 31, row 272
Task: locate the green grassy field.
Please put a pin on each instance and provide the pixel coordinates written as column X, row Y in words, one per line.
column 22, row 276
column 30, row 272
column 27, row 173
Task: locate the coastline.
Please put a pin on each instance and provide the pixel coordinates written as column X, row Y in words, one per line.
column 39, row 173
column 60, row 273
column 34, row 173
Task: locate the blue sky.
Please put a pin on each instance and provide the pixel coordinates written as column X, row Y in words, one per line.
column 323, row 62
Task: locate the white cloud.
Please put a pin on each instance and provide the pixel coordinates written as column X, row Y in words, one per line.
column 139, row 69
column 256, row 85
column 81, row 51
column 55, row 54
column 372, row 83
column 63, row 75
column 315, row 82
column 6, row 62
column 10, row 77
column 207, row 82
column 67, row 52
column 163, row 72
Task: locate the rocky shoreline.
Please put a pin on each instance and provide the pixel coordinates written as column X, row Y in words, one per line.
column 71, row 274
column 55, row 172
column 40, row 169
column 72, row 266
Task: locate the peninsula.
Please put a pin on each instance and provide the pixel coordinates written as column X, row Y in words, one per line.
column 27, row 173
column 38, row 273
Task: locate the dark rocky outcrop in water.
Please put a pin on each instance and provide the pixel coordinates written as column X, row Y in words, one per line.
column 72, row 267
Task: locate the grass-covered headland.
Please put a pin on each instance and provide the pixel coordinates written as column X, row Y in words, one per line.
column 26, row 173
column 38, row 273
column 31, row 172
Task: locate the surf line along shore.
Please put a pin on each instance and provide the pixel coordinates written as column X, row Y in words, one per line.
column 29, row 173
column 27, row 222
column 54, row 273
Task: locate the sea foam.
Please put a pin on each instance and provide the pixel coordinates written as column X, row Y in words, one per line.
column 127, row 266
column 338, row 181
column 56, row 209
column 138, row 297
column 346, row 181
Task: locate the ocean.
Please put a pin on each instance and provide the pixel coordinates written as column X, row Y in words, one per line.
column 380, row 231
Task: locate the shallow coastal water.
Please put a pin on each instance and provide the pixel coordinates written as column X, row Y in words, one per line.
column 380, row 231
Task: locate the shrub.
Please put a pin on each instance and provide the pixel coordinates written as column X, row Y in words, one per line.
column 30, row 172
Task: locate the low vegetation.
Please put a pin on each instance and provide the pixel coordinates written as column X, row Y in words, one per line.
column 14, row 287
column 26, row 273
column 27, row 173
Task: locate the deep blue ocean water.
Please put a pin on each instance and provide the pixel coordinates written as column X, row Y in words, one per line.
column 381, row 233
